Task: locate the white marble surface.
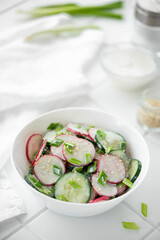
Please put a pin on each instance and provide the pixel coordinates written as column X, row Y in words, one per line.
column 41, row 223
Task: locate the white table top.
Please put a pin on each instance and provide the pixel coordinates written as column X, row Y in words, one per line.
column 40, row 222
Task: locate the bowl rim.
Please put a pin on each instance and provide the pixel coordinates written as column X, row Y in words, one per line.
column 121, row 197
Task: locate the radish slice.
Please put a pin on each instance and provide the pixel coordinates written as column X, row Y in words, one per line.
column 39, row 152
column 78, row 129
column 113, row 167
column 109, row 190
column 121, row 188
column 92, row 133
column 33, row 145
column 93, row 195
column 100, row 199
column 43, row 169
column 57, row 151
column 82, row 147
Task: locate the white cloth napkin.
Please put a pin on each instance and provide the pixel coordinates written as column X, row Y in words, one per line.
column 45, row 69
column 48, row 73
column 10, row 204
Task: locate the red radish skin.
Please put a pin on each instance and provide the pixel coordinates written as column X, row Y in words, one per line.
column 92, row 133
column 109, row 190
column 78, row 133
column 100, row 199
column 67, row 155
column 35, row 171
column 58, row 151
column 39, row 152
column 113, row 167
column 33, row 145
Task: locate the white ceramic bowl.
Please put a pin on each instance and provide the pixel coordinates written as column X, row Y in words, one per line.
column 97, row 118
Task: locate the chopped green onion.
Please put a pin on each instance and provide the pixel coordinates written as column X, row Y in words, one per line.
column 55, row 126
column 61, row 197
column 87, row 129
column 39, row 184
column 71, row 145
column 130, row 225
column 68, row 149
column 108, row 149
column 128, row 183
column 78, row 125
column 74, row 161
column 57, row 142
column 101, row 134
column 74, row 184
column 144, row 209
column 92, row 167
column 35, row 154
column 57, row 170
column 33, row 179
column 102, row 178
column 99, row 151
column 88, row 157
column 77, row 169
column 123, row 145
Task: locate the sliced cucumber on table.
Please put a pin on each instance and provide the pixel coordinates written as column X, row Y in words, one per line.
column 134, row 169
column 73, row 187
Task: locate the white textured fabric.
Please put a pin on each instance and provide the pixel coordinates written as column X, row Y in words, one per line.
column 10, row 204
column 44, row 69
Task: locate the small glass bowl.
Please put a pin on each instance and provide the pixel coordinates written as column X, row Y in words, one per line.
column 124, row 81
column 148, row 114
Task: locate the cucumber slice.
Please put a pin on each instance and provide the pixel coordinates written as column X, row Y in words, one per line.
column 134, row 169
column 49, row 136
column 124, row 157
column 74, row 186
column 33, row 181
column 111, row 141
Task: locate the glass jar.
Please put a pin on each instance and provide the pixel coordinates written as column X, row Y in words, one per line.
column 147, row 24
column 149, row 110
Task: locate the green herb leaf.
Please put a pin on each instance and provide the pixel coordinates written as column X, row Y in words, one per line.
column 32, row 179
column 68, row 149
column 99, row 151
column 87, row 129
column 123, row 146
column 92, row 167
column 74, row 184
column 144, row 209
column 35, row 154
column 39, row 184
column 57, row 170
column 88, row 157
column 77, row 169
column 57, row 142
column 78, row 125
column 102, row 178
column 108, row 149
column 130, row 225
column 61, row 197
column 128, row 183
column 101, row 134
column 74, row 161
column 55, row 126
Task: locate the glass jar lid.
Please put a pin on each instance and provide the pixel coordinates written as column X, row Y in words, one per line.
column 148, row 12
